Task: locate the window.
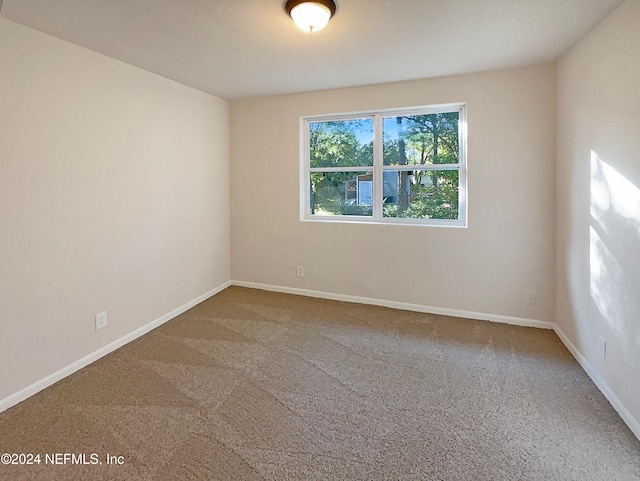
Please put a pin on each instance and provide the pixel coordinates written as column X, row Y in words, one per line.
column 406, row 166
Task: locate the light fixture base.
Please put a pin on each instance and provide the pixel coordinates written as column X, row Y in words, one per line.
column 330, row 4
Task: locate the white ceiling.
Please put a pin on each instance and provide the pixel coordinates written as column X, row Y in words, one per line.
column 246, row 48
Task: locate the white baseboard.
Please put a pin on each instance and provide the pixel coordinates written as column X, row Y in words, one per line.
column 38, row 386
column 604, row 388
column 517, row 321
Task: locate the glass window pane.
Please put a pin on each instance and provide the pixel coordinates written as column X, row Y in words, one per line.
column 421, row 139
column 421, row 194
column 341, row 193
column 344, row 143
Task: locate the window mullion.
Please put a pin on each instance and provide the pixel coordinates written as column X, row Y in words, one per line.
column 378, row 152
column 410, row 167
column 341, row 169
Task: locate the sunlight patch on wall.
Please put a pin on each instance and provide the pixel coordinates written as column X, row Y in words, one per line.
column 614, row 240
column 610, row 190
column 605, row 280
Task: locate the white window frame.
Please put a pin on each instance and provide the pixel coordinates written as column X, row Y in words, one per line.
column 378, row 167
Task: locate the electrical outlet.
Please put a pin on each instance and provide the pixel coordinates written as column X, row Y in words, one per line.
column 532, row 297
column 101, row 320
column 602, row 347
column 300, row 271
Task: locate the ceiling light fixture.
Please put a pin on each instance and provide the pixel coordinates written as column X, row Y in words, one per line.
column 310, row 15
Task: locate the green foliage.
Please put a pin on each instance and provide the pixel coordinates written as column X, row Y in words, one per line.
column 335, row 144
column 328, row 194
column 423, row 139
column 363, row 210
column 429, row 139
column 436, row 201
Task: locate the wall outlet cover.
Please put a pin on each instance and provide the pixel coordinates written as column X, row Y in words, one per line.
column 101, row 320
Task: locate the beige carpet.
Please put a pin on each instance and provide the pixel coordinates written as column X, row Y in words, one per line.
column 252, row 385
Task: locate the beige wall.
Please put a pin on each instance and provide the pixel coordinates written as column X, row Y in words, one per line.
column 489, row 267
column 114, row 195
column 598, row 172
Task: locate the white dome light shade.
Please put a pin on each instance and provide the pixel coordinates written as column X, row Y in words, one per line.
column 311, row 16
